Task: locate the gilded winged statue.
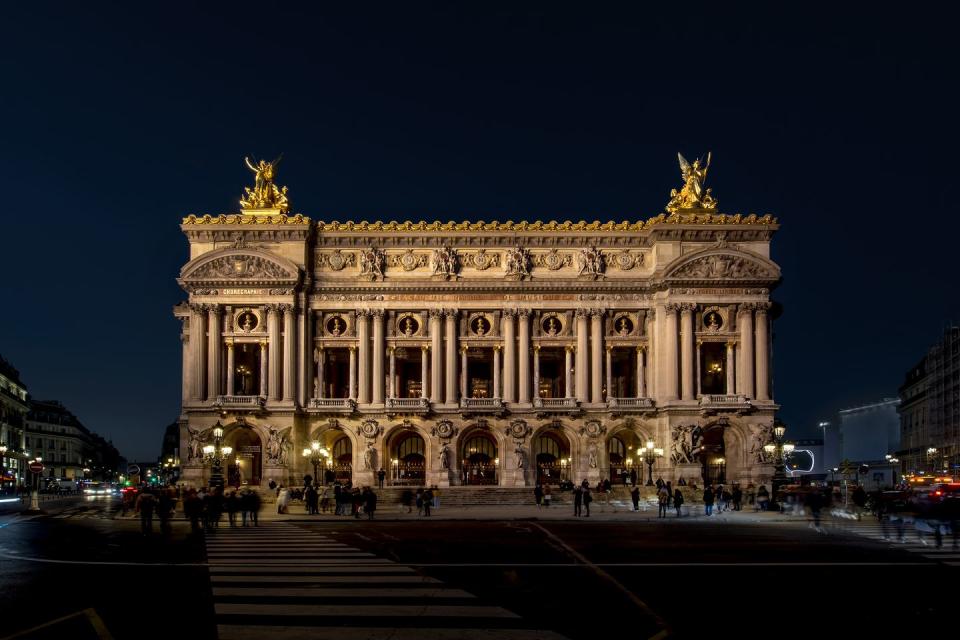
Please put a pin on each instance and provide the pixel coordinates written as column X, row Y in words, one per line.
column 264, row 194
column 692, row 194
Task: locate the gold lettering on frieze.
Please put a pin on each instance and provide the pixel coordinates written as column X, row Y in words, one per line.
column 243, row 292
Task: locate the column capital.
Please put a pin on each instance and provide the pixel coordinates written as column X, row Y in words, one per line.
column 390, row 349
column 425, row 347
column 229, row 344
column 362, row 313
column 286, row 308
column 377, row 313
column 451, row 313
column 582, row 313
column 609, row 348
column 731, row 343
column 497, row 347
column 672, row 307
column 213, row 309
column 687, row 307
column 509, row 313
column 464, row 348
column 435, row 313
column 264, row 343
column 761, row 307
column 571, row 348
column 523, row 314
column 641, row 348
column 352, row 348
column 536, row 347
column 744, row 308
column 197, row 307
column 597, row 313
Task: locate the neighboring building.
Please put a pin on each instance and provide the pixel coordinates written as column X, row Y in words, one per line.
column 169, row 460
column 930, row 409
column 870, row 432
column 66, row 447
column 502, row 354
column 807, row 459
column 13, row 410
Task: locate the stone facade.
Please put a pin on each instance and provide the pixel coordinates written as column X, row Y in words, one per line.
column 478, row 353
column 13, row 410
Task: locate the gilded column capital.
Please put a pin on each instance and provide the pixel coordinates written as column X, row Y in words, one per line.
column 731, row 343
column 609, row 348
column 536, row 347
column 425, row 347
column 497, row 347
column 641, row 348
column 687, row 307
column 390, row 349
column 229, row 344
column 464, row 348
column 571, row 348
column 352, row 348
column 263, row 344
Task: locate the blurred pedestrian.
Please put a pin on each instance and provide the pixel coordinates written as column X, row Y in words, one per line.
column 406, row 500
column 370, row 503
column 587, row 499
column 165, row 506
column 427, row 501
column 708, row 501
column 859, row 501
column 283, row 499
column 312, row 500
column 677, row 500
column 662, row 498
column 547, row 495
column 635, row 497
column 193, row 509
column 145, row 506
column 815, row 503
column 324, row 499
column 578, row 500
column 538, row 495
column 232, row 504
column 737, row 497
column 718, row 496
column 763, row 498
column 380, row 476
column 419, row 501
column 633, row 477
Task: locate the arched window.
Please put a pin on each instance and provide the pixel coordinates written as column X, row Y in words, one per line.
column 410, row 444
column 478, row 447
column 618, row 451
column 343, row 450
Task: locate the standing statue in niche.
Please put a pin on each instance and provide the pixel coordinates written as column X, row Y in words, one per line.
column 592, row 456
column 521, row 457
column 195, row 447
column 276, row 447
column 445, row 457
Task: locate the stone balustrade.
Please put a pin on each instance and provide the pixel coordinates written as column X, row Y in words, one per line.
column 240, row 402
column 408, row 405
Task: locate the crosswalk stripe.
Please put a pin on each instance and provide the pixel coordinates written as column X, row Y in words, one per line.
column 360, row 610
column 313, row 570
column 237, row 632
column 342, row 592
column 325, row 580
column 297, row 561
column 293, row 554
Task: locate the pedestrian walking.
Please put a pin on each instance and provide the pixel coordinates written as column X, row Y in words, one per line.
column 659, row 483
column 662, row 497
column 708, row 501
column 193, row 509
column 146, row 504
column 578, row 501
column 677, row 500
column 815, row 503
column 427, row 501
column 587, row 499
column 419, row 501
column 283, row 499
column 406, row 499
column 324, row 499
column 312, row 500
column 232, row 505
column 165, row 507
column 633, row 477
column 859, row 501
column 538, row 495
column 635, row 497
column 547, row 496
column 763, row 498
column 337, row 499
column 737, row 497
column 380, row 476
column 669, row 488
column 370, row 503
column 436, row 496
column 356, row 499
column 718, row 496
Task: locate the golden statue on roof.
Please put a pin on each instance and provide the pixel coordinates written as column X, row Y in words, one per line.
column 692, row 195
column 264, row 194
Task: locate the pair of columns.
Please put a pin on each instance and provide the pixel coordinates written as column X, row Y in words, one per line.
column 640, row 387
column 589, row 344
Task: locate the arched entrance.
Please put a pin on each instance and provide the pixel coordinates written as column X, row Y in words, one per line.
column 340, row 463
column 479, row 459
column 551, row 452
column 623, row 454
column 408, row 459
column 245, row 466
column 712, row 456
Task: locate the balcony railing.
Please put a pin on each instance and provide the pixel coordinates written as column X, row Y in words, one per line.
column 481, row 404
column 630, row 404
column 416, row 405
column 555, row 404
column 340, row 405
column 724, row 400
column 241, row 402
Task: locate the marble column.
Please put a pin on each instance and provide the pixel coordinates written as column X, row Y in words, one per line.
column 273, row 333
column 352, row 391
column 649, row 356
column 392, row 386
column 186, row 389
column 304, row 349
column 523, row 354
column 436, row 347
column 496, row 371
column 536, row 371
column 379, row 352
column 451, row 364
column 198, row 344
column 687, row 365
column 568, row 372
column 289, row 354
column 580, row 388
column 230, row 362
column 609, row 372
column 745, row 365
column 363, row 357
column 509, row 355
column 641, row 374
column 463, row 372
column 213, row 352
column 670, row 352
column 321, row 358
column 730, row 369
column 596, row 356
column 264, row 370
column 762, row 347
column 698, row 356
column 424, row 355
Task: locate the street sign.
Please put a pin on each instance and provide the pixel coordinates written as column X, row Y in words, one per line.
column 36, row 467
column 133, row 469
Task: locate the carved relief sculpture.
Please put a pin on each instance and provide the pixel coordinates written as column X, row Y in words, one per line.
column 445, row 262
column 445, row 457
column 553, row 260
column 590, row 262
column 724, row 266
column 517, row 265
column 371, row 263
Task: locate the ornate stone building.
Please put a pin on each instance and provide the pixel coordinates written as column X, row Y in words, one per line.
column 478, row 353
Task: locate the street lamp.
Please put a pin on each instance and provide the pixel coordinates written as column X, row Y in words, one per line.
column 315, row 454
column 778, row 448
column 650, row 453
column 214, row 455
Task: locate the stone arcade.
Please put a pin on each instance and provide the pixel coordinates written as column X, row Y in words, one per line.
column 478, row 353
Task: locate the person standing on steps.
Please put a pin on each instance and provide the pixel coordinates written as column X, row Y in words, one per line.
column 708, row 501
column 538, row 495
column 380, row 476
column 427, row 501
column 578, row 501
column 662, row 499
column 635, row 497
column 587, row 499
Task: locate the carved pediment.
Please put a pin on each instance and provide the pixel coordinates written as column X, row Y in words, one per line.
column 723, row 265
column 239, row 265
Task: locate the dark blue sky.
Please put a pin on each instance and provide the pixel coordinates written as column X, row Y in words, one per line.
column 117, row 123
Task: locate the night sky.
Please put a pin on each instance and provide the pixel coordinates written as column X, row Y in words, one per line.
column 116, row 123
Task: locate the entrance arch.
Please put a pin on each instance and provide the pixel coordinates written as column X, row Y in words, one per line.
column 408, row 459
column 551, row 452
column 624, row 456
column 479, row 459
column 245, row 467
column 712, row 456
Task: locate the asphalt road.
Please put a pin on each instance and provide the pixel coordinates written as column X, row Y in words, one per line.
column 461, row 579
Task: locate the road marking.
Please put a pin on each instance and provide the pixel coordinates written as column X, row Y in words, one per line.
column 237, row 632
column 325, row 580
column 361, row 610
column 343, row 592
column 664, row 628
column 90, row 614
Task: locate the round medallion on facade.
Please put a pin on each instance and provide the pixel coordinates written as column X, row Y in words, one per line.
column 444, row 429
column 712, row 320
column 336, row 326
column 408, row 325
column 625, row 260
column 551, row 324
column 337, row 260
column 480, row 325
column 593, row 429
column 553, row 260
column 246, row 321
column 369, row 429
column 518, row 429
column 482, row 260
column 623, row 325
column 408, row 261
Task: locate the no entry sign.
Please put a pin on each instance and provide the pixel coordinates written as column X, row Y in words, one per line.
column 36, row 467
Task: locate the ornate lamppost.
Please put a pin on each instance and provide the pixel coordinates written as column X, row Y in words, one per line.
column 650, row 453
column 214, row 455
column 315, row 455
column 779, row 449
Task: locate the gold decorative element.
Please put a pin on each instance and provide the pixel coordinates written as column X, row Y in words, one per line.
column 236, row 218
column 680, row 217
column 692, row 195
column 265, row 194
